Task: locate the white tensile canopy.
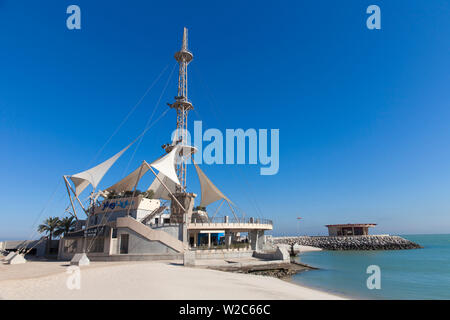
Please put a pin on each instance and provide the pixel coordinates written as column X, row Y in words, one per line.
column 94, row 175
column 167, row 175
column 158, row 189
column 168, row 171
column 164, row 184
column 166, row 165
column 130, row 181
column 210, row 193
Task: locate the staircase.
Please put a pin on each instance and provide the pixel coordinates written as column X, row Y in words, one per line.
column 152, row 214
column 151, row 234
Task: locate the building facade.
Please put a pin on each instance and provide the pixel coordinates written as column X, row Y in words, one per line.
column 349, row 229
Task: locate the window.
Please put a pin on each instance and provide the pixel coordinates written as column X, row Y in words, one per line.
column 166, row 220
column 347, row 231
column 124, row 243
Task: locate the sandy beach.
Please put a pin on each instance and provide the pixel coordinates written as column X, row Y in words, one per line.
column 142, row 280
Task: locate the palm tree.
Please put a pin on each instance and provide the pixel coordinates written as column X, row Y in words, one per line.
column 50, row 226
column 65, row 226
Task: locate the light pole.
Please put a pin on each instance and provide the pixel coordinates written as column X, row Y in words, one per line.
column 298, row 225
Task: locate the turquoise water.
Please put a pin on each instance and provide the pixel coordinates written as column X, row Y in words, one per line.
column 405, row 274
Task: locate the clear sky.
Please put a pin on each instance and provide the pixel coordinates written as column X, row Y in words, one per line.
column 363, row 114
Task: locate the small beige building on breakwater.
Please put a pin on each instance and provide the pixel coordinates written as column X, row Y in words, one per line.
column 349, row 229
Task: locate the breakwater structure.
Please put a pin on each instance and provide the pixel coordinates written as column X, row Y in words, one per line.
column 275, row 268
column 364, row 242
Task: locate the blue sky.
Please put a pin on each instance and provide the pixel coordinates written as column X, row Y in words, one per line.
column 363, row 114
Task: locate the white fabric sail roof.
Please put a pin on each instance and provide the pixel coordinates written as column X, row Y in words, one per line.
column 158, row 189
column 166, row 165
column 128, row 183
column 94, row 175
column 80, row 184
column 210, row 193
column 167, row 174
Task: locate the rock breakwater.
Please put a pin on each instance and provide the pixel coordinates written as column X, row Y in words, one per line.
column 372, row 242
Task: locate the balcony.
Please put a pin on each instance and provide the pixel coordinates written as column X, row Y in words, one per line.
column 241, row 225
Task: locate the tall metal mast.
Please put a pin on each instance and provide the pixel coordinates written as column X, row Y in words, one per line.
column 182, row 106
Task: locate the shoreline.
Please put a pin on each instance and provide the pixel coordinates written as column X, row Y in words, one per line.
column 342, row 296
column 43, row 280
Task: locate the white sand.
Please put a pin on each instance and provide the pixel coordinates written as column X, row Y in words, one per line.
column 143, row 280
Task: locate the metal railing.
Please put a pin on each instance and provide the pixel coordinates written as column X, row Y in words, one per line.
column 236, row 245
column 163, row 224
column 235, row 221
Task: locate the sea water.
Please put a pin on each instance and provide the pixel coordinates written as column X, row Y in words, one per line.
column 404, row 274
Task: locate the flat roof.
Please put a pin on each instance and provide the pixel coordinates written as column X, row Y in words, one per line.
column 352, row 225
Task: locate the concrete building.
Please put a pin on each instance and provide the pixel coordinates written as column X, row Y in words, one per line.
column 349, row 229
column 122, row 235
column 36, row 248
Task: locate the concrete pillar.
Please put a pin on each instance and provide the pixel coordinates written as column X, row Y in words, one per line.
column 209, row 240
column 256, row 239
column 253, row 237
column 189, row 258
column 183, row 217
column 195, row 239
column 60, row 248
column 228, row 236
column 261, row 239
column 184, row 232
column 177, row 213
